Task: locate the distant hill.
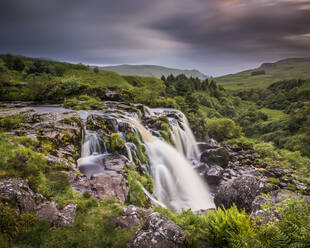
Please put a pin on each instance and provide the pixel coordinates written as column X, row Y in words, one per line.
column 266, row 74
column 151, row 70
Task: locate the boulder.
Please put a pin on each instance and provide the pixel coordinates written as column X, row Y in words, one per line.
column 240, row 191
column 158, row 232
column 17, row 192
column 49, row 211
column 201, row 168
column 218, row 156
column 214, row 175
column 110, row 186
column 131, row 217
column 210, row 144
column 79, row 183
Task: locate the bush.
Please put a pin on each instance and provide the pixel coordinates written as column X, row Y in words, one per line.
column 222, row 129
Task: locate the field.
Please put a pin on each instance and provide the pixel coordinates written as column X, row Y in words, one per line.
column 282, row 70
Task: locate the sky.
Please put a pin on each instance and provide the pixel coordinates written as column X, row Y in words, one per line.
column 216, row 37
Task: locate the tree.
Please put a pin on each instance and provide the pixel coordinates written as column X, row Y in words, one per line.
column 59, row 70
column 18, row 64
column 96, row 70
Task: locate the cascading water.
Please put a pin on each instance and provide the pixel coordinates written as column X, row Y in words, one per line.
column 92, row 144
column 181, row 134
column 177, row 185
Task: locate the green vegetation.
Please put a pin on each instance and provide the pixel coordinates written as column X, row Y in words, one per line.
column 231, row 228
column 222, row 129
column 25, row 230
column 84, row 102
column 116, row 142
column 281, row 70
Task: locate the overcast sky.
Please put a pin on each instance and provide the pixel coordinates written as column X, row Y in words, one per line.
column 215, row 36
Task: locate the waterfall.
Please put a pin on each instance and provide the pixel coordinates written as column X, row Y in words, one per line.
column 92, row 144
column 182, row 134
column 177, row 184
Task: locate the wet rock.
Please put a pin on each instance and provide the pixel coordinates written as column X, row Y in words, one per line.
column 218, row 156
column 114, row 162
column 110, row 186
column 131, row 217
column 17, row 192
column 210, row 144
column 201, row 168
column 104, row 123
column 214, row 174
column 49, row 211
column 240, row 191
column 158, row 232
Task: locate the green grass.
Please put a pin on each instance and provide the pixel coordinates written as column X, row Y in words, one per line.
column 274, row 114
column 100, row 79
column 282, row 70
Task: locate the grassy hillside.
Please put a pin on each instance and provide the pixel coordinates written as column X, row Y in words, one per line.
column 268, row 73
column 152, row 70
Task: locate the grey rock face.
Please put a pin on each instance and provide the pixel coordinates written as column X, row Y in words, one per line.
column 240, row 191
column 49, row 211
column 214, row 174
column 17, row 192
column 131, row 217
column 218, row 156
column 158, row 232
column 110, row 186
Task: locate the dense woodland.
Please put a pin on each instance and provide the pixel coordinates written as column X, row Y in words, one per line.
column 274, row 121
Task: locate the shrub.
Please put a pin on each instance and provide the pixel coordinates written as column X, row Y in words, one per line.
column 222, row 129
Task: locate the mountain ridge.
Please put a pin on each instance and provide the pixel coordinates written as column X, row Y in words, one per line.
column 152, row 70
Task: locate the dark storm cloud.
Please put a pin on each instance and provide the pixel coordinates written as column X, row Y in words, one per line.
column 215, row 36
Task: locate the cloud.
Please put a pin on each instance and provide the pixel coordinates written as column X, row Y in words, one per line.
column 215, row 36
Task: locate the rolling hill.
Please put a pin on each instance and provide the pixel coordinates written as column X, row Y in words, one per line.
column 152, row 70
column 266, row 74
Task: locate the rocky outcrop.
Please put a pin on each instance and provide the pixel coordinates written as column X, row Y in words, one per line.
column 240, row 191
column 158, row 232
column 59, row 134
column 131, row 217
column 50, row 212
column 110, row 186
column 17, row 192
column 102, row 186
column 217, row 156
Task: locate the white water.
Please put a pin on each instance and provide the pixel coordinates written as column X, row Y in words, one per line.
column 177, row 184
column 182, row 135
column 92, row 144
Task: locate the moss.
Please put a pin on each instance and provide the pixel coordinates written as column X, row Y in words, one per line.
column 166, row 133
column 131, row 137
column 136, row 194
column 274, row 180
column 117, row 143
column 9, row 123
